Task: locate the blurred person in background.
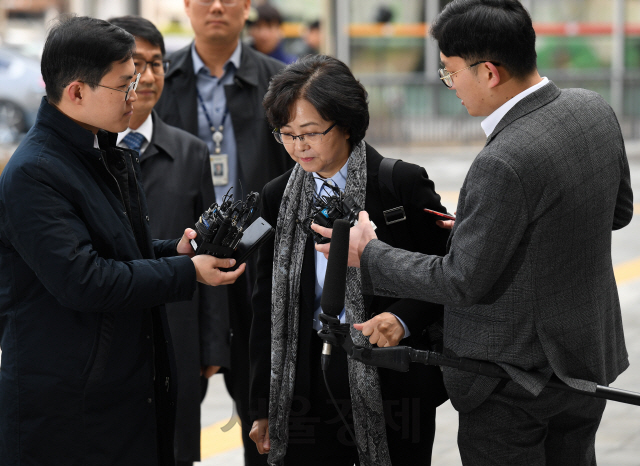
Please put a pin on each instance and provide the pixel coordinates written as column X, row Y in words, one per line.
column 313, row 37
column 320, row 114
column 266, row 33
column 87, row 366
column 176, row 175
column 310, row 42
column 214, row 90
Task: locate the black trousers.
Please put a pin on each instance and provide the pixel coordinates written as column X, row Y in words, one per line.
column 556, row 428
column 318, row 437
column 237, row 378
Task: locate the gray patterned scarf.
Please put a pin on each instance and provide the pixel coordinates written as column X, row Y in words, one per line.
column 364, row 383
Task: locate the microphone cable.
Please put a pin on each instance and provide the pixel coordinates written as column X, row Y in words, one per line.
column 335, row 403
column 333, row 300
column 344, row 420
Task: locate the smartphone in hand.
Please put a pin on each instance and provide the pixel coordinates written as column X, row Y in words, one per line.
column 440, row 214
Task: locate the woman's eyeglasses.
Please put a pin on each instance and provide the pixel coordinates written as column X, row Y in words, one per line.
column 308, row 138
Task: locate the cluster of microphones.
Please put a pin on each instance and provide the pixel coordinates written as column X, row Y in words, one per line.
column 326, row 209
column 228, row 229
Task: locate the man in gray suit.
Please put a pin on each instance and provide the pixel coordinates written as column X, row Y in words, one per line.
column 528, row 279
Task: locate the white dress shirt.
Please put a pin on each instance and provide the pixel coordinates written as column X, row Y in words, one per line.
column 490, row 123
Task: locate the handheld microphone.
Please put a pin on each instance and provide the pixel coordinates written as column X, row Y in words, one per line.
column 335, row 281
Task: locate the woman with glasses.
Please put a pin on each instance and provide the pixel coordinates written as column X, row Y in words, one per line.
column 320, row 115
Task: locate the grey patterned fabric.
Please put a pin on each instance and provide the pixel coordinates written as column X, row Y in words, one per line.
column 287, row 266
column 528, row 280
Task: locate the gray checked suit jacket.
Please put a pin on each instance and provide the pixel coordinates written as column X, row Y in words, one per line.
column 528, row 279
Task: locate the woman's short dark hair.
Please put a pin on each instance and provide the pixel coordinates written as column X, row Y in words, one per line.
column 493, row 30
column 140, row 28
column 82, row 48
column 327, row 84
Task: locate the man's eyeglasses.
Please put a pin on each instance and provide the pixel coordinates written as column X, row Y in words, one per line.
column 132, row 87
column 224, row 2
column 445, row 76
column 309, row 138
column 158, row 67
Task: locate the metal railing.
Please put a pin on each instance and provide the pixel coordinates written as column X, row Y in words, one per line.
column 406, row 109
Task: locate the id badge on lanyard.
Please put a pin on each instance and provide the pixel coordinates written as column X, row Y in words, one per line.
column 219, row 169
column 219, row 162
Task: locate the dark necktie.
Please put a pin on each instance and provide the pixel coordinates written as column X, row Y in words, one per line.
column 134, row 140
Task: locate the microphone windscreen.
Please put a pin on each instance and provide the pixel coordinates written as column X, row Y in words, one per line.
column 335, row 280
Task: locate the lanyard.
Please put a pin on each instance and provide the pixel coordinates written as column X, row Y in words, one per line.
column 217, row 135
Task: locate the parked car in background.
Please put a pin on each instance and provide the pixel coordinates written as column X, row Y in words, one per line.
column 21, row 89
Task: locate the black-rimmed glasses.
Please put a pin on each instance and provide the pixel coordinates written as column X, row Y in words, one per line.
column 158, row 67
column 445, row 76
column 132, row 87
column 309, row 138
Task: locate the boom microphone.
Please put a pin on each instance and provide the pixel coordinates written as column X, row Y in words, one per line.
column 335, row 280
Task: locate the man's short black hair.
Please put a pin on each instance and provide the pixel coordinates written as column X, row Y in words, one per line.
column 84, row 49
column 493, row 30
column 327, row 84
column 267, row 14
column 314, row 25
column 140, row 28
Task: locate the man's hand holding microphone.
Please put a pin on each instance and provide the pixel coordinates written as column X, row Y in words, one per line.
column 384, row 329
column 208, row 267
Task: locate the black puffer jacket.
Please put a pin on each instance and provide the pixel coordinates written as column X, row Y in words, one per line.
column 86, row 360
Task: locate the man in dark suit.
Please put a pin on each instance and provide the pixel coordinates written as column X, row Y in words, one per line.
column 214, row 90
column 176, row 175
column 528, row 280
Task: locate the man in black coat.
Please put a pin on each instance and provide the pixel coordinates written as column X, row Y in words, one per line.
column 214, row 90
column 176, row 175
column 86, row 356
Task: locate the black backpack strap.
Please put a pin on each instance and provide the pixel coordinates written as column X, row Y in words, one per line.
column 398, row 225
column 393, row 210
